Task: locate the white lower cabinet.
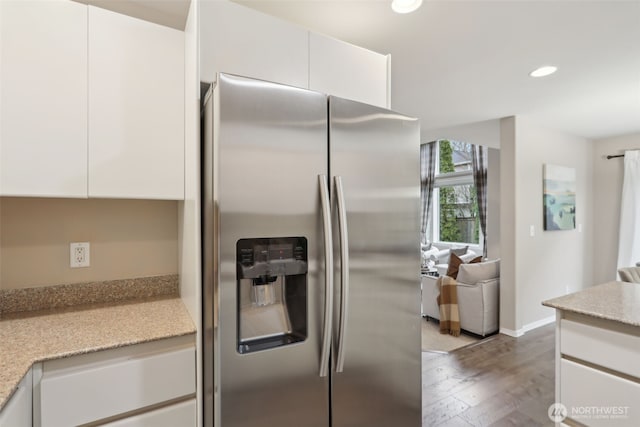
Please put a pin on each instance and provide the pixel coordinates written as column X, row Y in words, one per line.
column 129, row 386
column 597, row 375
column 597, row 398
column 179, row 414
column 17, row 412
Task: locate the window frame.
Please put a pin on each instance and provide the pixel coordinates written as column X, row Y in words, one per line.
column 449, row 179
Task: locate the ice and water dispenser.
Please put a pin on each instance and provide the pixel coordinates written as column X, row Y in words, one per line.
column 272, row 292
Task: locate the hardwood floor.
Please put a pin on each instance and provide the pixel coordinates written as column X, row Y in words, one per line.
column 502, row 381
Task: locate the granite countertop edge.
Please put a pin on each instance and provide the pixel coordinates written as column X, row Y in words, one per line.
column 613, row 301
column 141, row 313
column 590, row 313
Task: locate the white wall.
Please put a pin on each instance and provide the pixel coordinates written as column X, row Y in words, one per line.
column 189, row 210
column 607, row 190
column 551, row 263
column 485, row 133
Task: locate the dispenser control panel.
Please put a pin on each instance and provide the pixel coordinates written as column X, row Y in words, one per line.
column 275, row 256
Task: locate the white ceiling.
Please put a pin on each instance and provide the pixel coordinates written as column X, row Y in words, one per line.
column 457, row 62
column 170, row 13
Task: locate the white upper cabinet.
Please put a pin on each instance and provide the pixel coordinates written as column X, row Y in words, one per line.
column 136, row 108
column 238, row 40
column 43, row 94
column 348, row 71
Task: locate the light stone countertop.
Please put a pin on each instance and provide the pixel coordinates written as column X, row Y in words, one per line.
column 616, row 301
column 30, row 337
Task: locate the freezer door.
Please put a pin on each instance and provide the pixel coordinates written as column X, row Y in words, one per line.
column 269, row 149
column 374, row 162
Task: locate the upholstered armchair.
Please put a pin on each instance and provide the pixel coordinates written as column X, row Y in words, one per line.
column 478, row 287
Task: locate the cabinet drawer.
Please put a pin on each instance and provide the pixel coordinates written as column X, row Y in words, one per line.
column 596, row 398
column 179, row 414
column 604, row 347
column 88, row 392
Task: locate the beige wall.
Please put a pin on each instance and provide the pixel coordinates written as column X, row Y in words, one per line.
column 508, row 200
column 129, row 238
column 493, row 204
column 550, row 263
column 607, row 190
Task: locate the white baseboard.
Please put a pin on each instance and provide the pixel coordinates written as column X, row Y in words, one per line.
column 528, row 327
column 511, row 332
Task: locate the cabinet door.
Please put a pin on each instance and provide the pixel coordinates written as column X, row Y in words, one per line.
column 242, row 41
column 348, row 71
column 17, row 412
column 43, row 92
column 136, row 108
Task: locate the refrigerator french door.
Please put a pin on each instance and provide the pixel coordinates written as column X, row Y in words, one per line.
column 311, row 295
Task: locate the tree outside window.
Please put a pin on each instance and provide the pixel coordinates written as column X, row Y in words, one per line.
column 456, row 204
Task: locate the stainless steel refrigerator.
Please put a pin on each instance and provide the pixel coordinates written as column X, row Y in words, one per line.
column 310, row 260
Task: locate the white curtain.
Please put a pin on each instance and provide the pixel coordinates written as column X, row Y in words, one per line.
column 629, row 238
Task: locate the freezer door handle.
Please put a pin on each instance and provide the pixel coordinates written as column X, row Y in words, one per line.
column 328, row 276
column 344, row 271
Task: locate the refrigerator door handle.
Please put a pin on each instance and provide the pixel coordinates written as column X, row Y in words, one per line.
column 328, row 264
column 344, row 271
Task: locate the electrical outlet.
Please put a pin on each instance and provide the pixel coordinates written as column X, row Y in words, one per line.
column 79, row 255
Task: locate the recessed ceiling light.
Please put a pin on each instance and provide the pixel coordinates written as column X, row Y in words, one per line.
column 543, row 71
column 405, row 6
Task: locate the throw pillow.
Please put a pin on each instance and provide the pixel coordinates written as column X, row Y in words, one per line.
column 472, row 274
column 460, row 251
column 440, row 257
column 468, row 256
column 429, row 254
column 454, row 264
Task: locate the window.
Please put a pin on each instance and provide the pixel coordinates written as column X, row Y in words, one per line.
column 455, row 204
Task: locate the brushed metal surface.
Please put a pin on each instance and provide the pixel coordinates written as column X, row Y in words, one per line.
column 327, row 328
column 209, row 265
column 344, row 272
column 376, row 153
column 270, row 148
column 261, row 180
